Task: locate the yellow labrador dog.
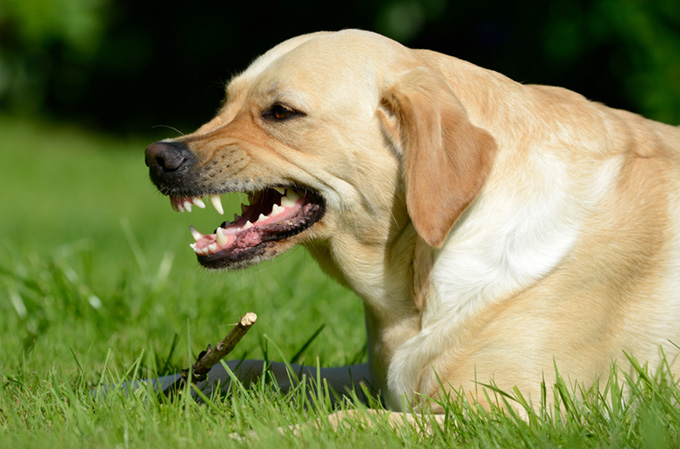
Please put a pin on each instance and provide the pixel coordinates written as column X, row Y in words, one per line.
column 494, row 230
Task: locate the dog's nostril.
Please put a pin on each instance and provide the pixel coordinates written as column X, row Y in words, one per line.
column 166, row 156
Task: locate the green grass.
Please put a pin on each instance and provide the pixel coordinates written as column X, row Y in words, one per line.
column 98, row 285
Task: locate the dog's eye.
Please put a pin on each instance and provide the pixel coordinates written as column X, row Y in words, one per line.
column 281, row 112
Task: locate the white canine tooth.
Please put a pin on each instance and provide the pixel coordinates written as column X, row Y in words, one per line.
column 262, row 217
column 248, row 225
column 276, row 210
column 281, row 190
column 221, row 238
column 195, row 233
column 287, row 202
column 187, row 206
column 216, row 201
column 198, row 202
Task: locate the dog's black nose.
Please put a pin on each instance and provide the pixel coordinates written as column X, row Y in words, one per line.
column 169, row 163
column 166, row 156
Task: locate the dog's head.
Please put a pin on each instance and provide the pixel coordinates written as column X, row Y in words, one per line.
column 343, row 139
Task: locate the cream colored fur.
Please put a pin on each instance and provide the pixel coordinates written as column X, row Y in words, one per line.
column 494, row 230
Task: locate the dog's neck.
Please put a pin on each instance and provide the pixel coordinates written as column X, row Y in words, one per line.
column 381, row 277
column 393, row 283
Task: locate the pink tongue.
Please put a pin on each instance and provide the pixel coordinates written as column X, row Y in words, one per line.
column 209, row 244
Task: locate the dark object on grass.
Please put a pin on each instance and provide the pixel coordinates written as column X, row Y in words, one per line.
column 210, row 357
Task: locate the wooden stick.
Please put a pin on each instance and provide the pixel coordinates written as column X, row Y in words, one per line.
column 210, row 357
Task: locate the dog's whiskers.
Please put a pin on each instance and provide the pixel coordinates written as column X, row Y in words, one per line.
column 169, row 127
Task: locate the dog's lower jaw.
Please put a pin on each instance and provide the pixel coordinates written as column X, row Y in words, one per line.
column 242, row 243
column 248, row 258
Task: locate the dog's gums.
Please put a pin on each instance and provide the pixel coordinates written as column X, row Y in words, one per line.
column 273, row 214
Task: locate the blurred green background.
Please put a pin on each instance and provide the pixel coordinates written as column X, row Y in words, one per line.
column 130, row 65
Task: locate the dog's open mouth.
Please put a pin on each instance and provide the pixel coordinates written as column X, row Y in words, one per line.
column 273, row 215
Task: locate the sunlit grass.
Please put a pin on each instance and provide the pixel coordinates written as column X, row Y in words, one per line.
column 98, row 286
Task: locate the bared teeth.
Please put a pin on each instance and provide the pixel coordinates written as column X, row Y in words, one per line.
column 222, row 239
column 276, row 210
column 286, row 202
column 196, row 234
column 290, row 199
column 199, row 251
column 216, row 201
column 206, row 244
column 184, row 204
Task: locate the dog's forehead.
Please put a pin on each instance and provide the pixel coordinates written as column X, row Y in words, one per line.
column 332, row 50
column 323, row 63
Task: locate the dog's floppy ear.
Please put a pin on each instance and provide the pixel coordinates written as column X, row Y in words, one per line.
column 446, row 159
